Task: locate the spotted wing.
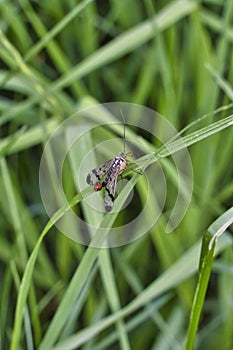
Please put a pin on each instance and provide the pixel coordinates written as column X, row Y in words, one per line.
column 96, row 174
column 109, row 194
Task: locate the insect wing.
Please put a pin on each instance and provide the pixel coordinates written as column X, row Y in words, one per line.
column 110, row 191
column 96, row 174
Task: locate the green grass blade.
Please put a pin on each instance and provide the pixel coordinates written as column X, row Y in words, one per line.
column 206, row 261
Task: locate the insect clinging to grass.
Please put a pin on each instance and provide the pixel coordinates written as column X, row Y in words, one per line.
column 110, row 170
column 106, row 175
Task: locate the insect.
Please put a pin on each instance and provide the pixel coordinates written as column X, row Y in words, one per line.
column 109, row 171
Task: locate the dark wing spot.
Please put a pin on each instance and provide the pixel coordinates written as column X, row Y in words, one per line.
column 96, row 174
column 110, row 194
column 108, row 208
column 88, row 179
column 92, row 177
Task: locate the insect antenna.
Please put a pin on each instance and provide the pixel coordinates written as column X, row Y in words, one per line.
column 123, row 120
column 138, row 171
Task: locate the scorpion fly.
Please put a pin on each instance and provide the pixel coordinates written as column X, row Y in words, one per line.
column 106, row 175
column 109, row 171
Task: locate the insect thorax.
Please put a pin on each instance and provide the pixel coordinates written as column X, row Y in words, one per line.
column 116, row 169
column 119, row 163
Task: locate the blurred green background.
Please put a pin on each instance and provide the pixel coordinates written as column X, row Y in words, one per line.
column 58, row 57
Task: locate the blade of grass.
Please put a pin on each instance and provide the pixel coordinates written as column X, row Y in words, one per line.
column 14, row 211
column 5, row 302
column 206, row 261
column 112, row 295
column 215, row 23
column 222, row 83
column 174, row 146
